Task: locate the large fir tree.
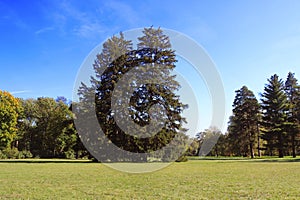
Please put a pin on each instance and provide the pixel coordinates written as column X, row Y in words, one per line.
column 274, row 105
column 243, row 124
column 155, row 58
column 293, row 94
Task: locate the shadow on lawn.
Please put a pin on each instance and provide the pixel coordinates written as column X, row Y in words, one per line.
column 278, row 160
column 44, row 161
column 263, row 159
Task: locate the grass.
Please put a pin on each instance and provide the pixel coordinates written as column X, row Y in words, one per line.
column 195, row 179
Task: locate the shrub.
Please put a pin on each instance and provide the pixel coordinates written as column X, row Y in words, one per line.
column 26, row 154
column 14, row 153
column 11, row 153
column 2, row 155
column 182, row 159
column 70, row 154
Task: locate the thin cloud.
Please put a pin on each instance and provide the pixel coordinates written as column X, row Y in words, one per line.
column 123, row 11
column 20, row 92
column 84, row 24
column 12, row 16
column 88, row 30
column 43, row 30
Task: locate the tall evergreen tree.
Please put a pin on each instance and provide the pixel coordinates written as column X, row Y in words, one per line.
column 293, row 95
column 233, row 138
column 84, row 110
column 243, row 124
column 154, row 39
column 154, row 59
column 275, row 107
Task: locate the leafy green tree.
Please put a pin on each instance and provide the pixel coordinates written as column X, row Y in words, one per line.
column 243, row 124
column 208, row 140
column 47, row 128
column 199, row 138
column 274, row 115
column 221, row 147
column 292, row 91
column 27, row 124
column 9, row 113
column 193, row 148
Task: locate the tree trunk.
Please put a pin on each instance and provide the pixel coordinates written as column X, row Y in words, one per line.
column 280, row 146
column 293, row 146
column 280, row 151
column 251, row 150
column 258, row 141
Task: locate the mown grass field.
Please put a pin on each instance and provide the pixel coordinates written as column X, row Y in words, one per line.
column 195, row 179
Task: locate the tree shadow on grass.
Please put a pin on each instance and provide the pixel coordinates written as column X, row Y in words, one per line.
column 44, row 161
column 246, row 159
column 278, row 160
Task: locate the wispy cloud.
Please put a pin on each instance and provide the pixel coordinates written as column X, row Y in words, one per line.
column 124, row 12
column 73, row 20
column 12, row 16
column 88, row 29
column 20, row 92
column 43, row 30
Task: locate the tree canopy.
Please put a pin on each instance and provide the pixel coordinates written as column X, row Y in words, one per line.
column 9, row 114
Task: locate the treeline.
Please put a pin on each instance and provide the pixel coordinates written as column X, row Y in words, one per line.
column 269, row 127
column 40, row 128
column 44, row 127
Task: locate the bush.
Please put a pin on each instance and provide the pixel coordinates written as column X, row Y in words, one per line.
column 2, row 155
column 14, row 153
column 182, row 159
column 25, row 154
column 11, row 153
column 70, row 154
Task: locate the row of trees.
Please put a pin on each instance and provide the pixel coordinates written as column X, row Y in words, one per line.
column 270, row 127
column 40, row 127
column 44, row 127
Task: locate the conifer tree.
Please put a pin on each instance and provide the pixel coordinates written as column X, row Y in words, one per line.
column 293, row 95
column 153, row 58
column 243, row 123
column 275, row 107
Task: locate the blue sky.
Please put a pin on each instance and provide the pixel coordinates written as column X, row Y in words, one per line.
column 43, row 43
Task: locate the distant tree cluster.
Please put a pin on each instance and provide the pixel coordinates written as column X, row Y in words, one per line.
column 270, row 127
column 40, row 127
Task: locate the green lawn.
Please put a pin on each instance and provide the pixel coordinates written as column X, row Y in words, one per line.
column 195, row 179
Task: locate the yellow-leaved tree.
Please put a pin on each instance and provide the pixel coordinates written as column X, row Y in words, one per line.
column 9, row 110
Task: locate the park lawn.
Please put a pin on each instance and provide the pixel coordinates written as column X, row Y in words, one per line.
column 195, row 179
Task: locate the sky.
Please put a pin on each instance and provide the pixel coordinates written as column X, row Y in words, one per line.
column 44, row 43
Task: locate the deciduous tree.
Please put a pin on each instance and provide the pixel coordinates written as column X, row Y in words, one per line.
column 9, row 112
